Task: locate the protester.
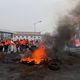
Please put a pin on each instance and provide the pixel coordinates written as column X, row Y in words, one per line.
column 17, row 42
column 6, row 46
column 18, row 46
column 1, row 46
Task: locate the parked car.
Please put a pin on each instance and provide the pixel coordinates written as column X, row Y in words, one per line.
column 73, row 48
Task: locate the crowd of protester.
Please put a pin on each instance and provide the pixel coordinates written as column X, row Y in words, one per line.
column 18, row 46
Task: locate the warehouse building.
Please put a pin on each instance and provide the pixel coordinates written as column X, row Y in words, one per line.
column 5, row 34
column 27, row 35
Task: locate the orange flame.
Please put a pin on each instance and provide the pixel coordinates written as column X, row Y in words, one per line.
column 38, row 56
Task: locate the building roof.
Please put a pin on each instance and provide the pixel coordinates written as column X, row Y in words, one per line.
column 5, row 30
column 27, row 34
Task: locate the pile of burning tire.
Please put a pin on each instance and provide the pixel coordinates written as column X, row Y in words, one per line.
column 54, row 64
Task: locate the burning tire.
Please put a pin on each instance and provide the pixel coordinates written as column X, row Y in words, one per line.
column 54, row 64
column 2, row 56
column 31, row 63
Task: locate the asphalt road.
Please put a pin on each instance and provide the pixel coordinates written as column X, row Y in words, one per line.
column 19, row 71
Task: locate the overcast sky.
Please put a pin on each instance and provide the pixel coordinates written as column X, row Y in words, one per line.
column 20, row 15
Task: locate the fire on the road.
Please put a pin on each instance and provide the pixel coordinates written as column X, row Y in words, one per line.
column 38, row 56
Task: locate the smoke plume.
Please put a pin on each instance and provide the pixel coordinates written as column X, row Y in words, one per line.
column 64, row 33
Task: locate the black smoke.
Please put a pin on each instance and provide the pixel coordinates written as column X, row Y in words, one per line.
column 64, row 33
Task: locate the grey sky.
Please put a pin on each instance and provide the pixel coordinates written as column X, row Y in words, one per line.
column 20, row 15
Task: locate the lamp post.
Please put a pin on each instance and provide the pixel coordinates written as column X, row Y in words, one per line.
column 35, row 27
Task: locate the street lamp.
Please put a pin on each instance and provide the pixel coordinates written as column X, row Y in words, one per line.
column 35, row 25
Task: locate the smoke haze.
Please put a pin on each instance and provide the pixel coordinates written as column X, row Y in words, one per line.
column 20, row 15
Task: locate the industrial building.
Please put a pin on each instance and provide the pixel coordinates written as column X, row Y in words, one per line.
column 27, row 35
column 5, row 34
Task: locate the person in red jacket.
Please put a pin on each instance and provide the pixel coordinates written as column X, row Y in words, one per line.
column 6, row 45
column 11, row 44
column 1, row 46
column 27, row 44
column 17, row 46
column 21, row 45
column 24, row 44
